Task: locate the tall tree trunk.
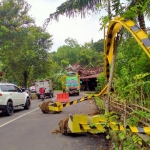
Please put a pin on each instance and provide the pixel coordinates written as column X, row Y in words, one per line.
column 109, row 10
column 142, row 22
column 25, row 76
column 107, row 102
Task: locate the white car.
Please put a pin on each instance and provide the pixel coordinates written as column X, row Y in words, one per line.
column 32, row 89
column 12, row 96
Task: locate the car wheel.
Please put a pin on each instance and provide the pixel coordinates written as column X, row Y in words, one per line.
column 9, row 109
column 27, row 104
column 52, row 95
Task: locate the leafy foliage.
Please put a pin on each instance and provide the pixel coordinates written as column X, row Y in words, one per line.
column 101, row 82
column 23, row 45
column 74, row 7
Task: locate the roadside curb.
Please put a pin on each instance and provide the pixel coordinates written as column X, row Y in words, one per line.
column 94, row 103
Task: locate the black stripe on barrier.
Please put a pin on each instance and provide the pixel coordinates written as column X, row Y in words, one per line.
column 64, row 105
column 54, row 104
column 137, row 129
column 146, row 42
column 71, row 117
column 140, row 130
column 72, row 102
column 118, row 126
column 78, row 101
column 110, row 35
column 111, row 28
column 135, row 28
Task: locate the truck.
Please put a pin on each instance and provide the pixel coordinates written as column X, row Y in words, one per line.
column 71, row 83
column 47, row 85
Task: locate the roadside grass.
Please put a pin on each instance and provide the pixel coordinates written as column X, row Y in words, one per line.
column 58, row 90
column 89, row 92
column 100, row 105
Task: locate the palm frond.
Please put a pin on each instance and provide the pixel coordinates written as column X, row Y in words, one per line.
column 72, row 8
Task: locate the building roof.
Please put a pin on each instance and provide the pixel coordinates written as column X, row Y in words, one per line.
column 91, row 76
column 84, row 71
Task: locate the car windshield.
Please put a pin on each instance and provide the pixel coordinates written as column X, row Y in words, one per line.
column 4, row 88
column 9, row 88
column 72, row 82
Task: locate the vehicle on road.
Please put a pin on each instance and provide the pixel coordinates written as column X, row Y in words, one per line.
column 42, row 93
column 27, row 91
column 71, row 83
column 32, row 89
column 47, row 85
column 12, row 96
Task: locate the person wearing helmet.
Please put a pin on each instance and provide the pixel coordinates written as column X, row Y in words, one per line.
column 42, row 91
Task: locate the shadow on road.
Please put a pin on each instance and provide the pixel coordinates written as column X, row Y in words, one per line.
column 2, row 114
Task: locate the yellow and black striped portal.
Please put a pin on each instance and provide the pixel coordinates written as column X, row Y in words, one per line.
column 81, row 123
column 58, row 106
column 114, row 27
column 78, row 101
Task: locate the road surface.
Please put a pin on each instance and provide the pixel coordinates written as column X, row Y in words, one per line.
column 32, row 130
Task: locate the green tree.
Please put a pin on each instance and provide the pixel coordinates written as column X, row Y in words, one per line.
column 72, row 43
column 138, row 10
column 74, row 7
column 13, row 15
column 99, row 45
column 23, row 45
column 31, row 53
column 67, row 52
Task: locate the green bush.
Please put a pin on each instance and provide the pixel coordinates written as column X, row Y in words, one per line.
column 101, row 82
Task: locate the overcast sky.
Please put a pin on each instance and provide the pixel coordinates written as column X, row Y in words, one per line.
column 83, row 30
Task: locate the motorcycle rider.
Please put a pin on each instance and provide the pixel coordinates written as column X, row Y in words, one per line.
column 42, row 91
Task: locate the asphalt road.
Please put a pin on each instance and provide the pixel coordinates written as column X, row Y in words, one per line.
column 32, row 130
